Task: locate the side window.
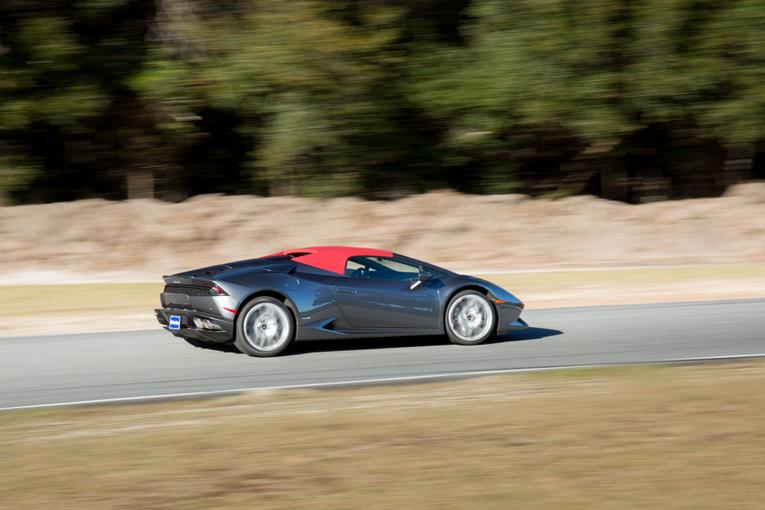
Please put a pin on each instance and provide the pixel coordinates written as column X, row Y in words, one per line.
column 381, row 268
column 352, row 267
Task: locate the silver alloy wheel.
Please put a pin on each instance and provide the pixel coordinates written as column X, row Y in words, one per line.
column 470, row 317
column 266, row 327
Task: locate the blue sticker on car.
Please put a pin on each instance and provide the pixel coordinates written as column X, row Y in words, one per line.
column 175, row 322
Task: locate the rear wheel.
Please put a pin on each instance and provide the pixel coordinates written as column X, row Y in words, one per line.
column 264, row 327
column 469, row 318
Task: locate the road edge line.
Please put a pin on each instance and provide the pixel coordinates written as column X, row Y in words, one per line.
column 370, row 382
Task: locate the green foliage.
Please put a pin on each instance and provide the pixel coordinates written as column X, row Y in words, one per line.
column 47, row 87
column 335, row 97
column 308, row 83
column 15, row 172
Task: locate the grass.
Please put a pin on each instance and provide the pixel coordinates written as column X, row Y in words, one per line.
column 534, row 282
column 77, row 298
column 678, row 437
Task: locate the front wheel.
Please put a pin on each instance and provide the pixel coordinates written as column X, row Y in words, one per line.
column 264, row 327
column 469, row 318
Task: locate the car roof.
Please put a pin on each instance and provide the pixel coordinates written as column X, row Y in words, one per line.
column 329, row 258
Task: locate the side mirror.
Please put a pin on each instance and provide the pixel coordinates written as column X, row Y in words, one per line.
column 424, row 276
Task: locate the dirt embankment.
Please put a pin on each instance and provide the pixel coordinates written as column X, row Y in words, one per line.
column 148, row 238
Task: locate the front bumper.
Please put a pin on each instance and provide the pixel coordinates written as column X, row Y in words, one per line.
column 509, row 318
column 188, row 329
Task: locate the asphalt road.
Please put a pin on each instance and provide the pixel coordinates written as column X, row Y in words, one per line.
column 132, row 365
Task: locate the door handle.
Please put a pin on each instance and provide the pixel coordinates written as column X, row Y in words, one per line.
column 346, row 291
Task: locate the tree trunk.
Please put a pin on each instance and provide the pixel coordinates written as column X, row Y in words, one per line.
column 738, row 164
column 140, row 183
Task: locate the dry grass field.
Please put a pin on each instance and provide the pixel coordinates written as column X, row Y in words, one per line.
column 666, row 437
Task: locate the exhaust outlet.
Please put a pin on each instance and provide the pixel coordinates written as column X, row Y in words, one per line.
column 206, row 324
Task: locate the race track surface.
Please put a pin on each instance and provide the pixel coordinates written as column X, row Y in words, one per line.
column 132, row 365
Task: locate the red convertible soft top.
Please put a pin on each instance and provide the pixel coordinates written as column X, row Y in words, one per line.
column 329, row 258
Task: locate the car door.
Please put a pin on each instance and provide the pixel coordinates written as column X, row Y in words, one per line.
column 370, row 301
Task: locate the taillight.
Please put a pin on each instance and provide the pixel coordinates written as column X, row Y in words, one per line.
column 215, row 290
column 196, row 289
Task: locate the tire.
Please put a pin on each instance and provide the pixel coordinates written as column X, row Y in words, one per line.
column 264, row 327
column 469, row 318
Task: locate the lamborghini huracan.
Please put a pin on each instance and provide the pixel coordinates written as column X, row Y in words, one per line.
column 262, row 305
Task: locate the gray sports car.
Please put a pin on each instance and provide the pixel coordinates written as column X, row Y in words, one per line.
column 262, row 305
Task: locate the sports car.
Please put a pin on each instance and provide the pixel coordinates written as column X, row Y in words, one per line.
column 262, row 305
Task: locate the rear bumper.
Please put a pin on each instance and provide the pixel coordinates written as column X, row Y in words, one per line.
column 188, row 329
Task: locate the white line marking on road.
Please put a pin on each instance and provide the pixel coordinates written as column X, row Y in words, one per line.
column 363, row 382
